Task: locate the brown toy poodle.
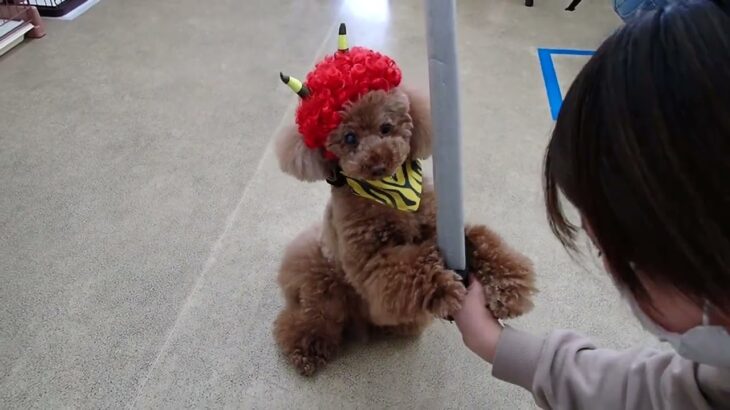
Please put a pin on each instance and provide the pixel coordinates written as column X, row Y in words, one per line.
column 370, row 267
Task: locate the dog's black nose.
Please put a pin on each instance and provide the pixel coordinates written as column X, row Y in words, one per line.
column 378, row 170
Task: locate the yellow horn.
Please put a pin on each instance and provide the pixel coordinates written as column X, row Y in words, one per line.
column 342, row 38
column 295, row 85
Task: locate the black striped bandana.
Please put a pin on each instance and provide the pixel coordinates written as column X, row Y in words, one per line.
column 401, row 191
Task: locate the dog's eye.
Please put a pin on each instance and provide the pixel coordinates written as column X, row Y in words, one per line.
column 350, row 138
column 386, row 128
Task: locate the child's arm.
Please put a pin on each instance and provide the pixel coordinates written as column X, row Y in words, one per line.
column 479, row 329
column 565, row 370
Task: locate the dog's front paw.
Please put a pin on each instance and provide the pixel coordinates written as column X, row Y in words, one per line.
column 447, row 296
column 508, row 276
column 510, row 296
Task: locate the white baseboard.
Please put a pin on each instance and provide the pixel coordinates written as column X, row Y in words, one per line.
column 16, row 37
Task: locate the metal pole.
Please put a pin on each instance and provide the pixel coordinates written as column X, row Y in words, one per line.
column 444, row 85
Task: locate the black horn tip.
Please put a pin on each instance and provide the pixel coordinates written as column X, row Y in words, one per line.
column 304, row 92
column 343, row 29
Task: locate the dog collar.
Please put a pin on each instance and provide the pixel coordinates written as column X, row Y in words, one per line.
column 401, row 191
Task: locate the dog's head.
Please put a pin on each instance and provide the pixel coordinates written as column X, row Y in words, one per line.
column 353, row 116
column 377, row 133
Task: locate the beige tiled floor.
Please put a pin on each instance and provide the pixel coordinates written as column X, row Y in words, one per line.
column 142, row 215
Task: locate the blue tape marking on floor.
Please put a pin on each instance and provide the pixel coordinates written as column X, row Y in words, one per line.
column 569, row 52
column 555, row 99
column 550, row 77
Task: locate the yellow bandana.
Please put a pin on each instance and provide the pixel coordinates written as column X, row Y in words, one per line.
column 402, row 191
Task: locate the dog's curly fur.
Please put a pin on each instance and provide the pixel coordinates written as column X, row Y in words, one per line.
column 369, row 267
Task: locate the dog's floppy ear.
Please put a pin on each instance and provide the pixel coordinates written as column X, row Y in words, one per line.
column 296, row 159
column 420, row 112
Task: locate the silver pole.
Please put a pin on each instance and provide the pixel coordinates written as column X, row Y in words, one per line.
column 447, row 169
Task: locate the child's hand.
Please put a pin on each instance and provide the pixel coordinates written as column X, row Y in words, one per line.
column 479, row 329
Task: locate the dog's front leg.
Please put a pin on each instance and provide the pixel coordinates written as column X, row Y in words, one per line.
column 507, row 275
column 404, row 282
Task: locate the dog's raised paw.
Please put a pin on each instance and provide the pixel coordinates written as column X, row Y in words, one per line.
column 447, row 297
column 510, row 297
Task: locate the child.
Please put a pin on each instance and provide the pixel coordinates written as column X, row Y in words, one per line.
column 642, row 149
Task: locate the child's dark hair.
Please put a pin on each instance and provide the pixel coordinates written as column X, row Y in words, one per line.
column 642, row 148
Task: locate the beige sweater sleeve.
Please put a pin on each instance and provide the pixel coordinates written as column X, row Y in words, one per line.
column 566, row 371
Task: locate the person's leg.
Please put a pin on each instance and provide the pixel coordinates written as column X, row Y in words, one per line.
column 628, row 9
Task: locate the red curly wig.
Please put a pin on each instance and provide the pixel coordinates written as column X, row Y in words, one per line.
column 338, row 79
